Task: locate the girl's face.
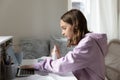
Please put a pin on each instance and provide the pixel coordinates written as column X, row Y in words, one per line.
column 67, row 29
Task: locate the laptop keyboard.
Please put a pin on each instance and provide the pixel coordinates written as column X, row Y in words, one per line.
column 25, row 72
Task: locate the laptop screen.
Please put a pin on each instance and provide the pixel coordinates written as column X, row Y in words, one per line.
column 15, row 56
column 11, row 53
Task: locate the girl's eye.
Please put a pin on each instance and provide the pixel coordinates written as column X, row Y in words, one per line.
column 64, row 28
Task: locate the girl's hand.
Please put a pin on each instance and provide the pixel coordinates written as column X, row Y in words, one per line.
column 55, row 52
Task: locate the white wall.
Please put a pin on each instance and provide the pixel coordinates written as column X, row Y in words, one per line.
column 31, row 18
column 119, row 16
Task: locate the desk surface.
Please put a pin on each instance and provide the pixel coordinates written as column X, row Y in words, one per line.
column 50, row 76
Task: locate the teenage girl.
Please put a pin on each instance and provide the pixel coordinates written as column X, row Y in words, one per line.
column 86, row 61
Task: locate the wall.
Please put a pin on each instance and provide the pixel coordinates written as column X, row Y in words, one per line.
column 119, row 16
column 31, row 18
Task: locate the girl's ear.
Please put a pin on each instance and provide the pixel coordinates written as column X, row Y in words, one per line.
column 75, row 29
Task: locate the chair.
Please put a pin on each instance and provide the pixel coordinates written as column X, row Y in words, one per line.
column 112, row 60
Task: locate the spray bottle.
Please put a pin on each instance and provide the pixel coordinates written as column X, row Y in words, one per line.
column 54, row 55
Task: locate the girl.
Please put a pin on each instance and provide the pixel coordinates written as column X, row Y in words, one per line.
column 86, row 61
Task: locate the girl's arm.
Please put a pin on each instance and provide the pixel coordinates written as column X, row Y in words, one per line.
column 79, row 58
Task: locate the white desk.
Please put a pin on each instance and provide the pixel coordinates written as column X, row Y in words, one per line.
column 45, row 76
column 50, row 76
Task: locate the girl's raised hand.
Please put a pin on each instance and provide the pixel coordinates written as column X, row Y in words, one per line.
column 55, row 52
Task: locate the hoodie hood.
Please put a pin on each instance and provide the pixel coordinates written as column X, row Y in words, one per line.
column 101, row 40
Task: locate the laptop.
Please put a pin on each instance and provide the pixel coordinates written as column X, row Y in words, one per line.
column 19, row 61
column 15, row 59
column 26, row 72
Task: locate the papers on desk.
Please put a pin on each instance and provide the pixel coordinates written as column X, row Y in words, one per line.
column 67, row 76
column 33, row 61
column 39, row 77
column 29, row 61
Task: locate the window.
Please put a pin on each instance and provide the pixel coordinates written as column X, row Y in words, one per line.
column 82, row 5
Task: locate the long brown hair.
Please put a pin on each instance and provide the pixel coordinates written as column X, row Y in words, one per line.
column 76, row 18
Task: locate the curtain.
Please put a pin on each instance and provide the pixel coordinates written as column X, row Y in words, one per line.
column 104, row 18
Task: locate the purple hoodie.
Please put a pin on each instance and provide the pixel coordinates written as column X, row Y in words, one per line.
column 86, row 61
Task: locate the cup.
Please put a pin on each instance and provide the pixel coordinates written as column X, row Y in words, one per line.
column 10, row 71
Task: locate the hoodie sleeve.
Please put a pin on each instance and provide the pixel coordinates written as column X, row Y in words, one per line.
column 79, row 58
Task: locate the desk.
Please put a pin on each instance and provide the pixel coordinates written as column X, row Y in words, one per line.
column 45, row 76
column 50, row 76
